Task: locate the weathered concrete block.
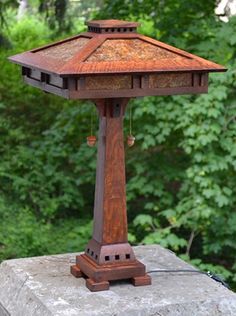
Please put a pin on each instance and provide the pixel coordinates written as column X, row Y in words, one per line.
column 44, row 286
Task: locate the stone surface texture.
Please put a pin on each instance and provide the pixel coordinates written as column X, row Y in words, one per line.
column 44, row 286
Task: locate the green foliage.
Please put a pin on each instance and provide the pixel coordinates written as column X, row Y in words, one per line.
column 183, row 196
column 180, row 174
column 22, row 234
column 41, row 160
column 169, row 20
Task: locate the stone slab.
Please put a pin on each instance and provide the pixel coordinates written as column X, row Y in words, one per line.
column 43, row 286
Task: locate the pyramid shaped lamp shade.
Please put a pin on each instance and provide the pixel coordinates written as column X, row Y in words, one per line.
column 109, row 64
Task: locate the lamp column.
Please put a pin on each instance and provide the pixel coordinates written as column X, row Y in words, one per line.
column 108, row 255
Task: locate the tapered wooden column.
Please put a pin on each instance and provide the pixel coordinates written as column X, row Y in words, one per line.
column 110, row 222
column 108, row 256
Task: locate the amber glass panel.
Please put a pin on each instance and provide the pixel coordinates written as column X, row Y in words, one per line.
column 170, row 80
column 129, row 50
column 64, row 51
column 108, row 82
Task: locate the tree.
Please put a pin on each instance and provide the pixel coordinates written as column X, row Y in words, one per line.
column 23, row 8
column 55, row 11
column 3, row 21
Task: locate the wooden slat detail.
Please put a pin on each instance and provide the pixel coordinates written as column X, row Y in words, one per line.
column 111, row 23
column 203, row 79
column 145, row 81
column 25, row 71
column 200, row 79
column 35, row 74
column 72, row 84
column 103, row 92
column 47, row 87
column 56, row 81
column 80, row 83
column 136, row 84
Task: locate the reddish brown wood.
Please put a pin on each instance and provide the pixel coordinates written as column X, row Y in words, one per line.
column 75, row 271
column 85, row 34
column 139, row 86
column 141, row 280
column 100, row 275
column 109, row 256
column 110, row 202
column 112, row 23
column 109, row 253
column 109, row 64
column 176, row 59
column 109, row 272
column 95, row 42
column 78, row 88
column 97, row 286
column 131, row 93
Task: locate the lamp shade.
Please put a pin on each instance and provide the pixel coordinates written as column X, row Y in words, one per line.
column 112, row 60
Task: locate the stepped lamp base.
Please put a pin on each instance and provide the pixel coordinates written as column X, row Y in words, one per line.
column 98, row 277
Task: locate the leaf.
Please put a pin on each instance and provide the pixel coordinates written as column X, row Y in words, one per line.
column 142, row 220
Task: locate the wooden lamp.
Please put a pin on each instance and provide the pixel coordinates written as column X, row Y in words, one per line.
column 109, row 64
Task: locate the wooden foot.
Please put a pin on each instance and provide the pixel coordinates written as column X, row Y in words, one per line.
column 75, row 271
column 97, row 286
column 99, row 276
column 141, row 280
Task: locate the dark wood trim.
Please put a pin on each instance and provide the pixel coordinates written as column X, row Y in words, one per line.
column 96, row 94
column 136, row 81
column 46, row 87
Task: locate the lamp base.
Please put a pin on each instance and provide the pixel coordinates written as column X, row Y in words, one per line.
column 98, row 276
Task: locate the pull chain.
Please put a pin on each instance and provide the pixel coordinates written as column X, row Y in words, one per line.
column 130, row 137
column 91, row 123
column 130, row 119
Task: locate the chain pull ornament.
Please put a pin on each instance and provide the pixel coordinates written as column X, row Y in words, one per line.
column 130, row 137
column 91, row 140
